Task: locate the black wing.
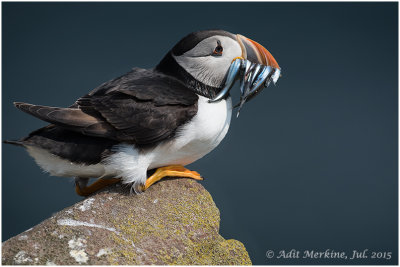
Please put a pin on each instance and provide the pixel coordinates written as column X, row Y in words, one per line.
column 141, row 107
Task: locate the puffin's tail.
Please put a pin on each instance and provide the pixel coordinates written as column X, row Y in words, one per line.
column 14, row 142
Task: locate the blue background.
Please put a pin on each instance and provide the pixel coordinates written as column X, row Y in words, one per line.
column 309, row 164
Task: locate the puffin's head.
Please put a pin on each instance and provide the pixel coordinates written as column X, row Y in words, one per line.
column 202, row 59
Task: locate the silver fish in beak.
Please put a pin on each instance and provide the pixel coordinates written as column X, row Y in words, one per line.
column 255, row 69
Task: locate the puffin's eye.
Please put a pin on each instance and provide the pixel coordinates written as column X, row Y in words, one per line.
column 218, row 50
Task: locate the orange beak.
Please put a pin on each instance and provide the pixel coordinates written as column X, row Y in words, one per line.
column 256, row 53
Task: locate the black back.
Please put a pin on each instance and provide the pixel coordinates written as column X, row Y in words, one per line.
column 142, row 107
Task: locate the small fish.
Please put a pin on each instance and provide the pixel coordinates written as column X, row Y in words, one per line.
column 254, row 77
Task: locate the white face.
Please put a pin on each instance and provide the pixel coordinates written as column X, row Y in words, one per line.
column 207, row 63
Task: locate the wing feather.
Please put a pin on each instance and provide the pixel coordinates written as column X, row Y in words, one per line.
column 142, row 107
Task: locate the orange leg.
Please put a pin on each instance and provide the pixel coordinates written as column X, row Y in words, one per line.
column 96, row 186
column 171, row 171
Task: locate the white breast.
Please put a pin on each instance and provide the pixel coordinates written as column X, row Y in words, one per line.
column 197, row 138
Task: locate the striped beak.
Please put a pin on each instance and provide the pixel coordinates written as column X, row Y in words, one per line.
column 256, row 53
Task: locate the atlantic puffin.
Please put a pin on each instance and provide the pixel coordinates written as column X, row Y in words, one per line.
column 148, row 123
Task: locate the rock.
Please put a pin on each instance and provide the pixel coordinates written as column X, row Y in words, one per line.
column 173, row 222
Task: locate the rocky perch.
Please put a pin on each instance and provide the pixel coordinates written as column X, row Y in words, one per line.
column 174, row 222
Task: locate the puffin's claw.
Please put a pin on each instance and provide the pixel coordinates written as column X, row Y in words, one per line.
column 171, row 171
column 83, row 190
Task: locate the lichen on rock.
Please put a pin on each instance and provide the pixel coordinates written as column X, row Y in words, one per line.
column 174, row 222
